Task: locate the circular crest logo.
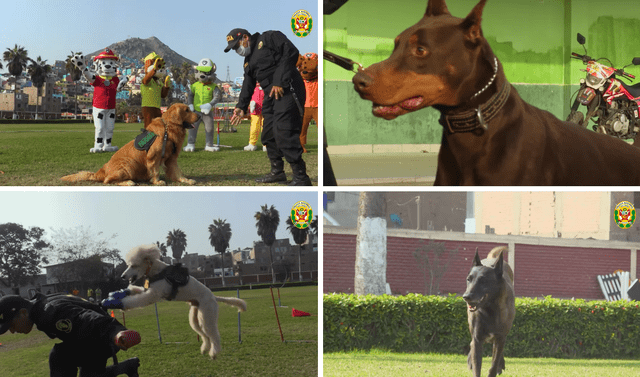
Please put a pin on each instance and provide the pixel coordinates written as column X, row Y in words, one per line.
column 624, row 214
column 301, row 215
column 301, row 23
column 64, row 325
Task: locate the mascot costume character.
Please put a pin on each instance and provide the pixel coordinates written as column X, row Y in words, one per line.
column 255, row 106
column 102, row 76
column 151, row 89
column 203, row 97
column 308, row 67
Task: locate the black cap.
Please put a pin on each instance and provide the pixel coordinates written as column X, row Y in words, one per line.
column 234, row 37
column 9, row 307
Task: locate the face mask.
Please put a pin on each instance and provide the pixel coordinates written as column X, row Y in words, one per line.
column 243, row 51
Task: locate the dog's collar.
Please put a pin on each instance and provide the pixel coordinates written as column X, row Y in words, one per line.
column 166, row 136
column 493, row 78
column 476, row 120
column 176, row 275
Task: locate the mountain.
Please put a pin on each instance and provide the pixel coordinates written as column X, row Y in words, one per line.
column 137, row 49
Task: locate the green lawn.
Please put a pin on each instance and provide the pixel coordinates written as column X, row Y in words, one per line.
column 39, row 154
column 261, row 353
column 382, row 363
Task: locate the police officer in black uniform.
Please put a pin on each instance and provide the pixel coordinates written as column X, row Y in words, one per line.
column 270, row 59
column 89, row 335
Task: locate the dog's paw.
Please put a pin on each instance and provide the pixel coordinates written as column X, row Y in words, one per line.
column 190, row 182
column 159, row 182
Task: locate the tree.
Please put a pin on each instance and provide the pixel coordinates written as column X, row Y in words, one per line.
column 38, row 70
column 75, row 74
column 299, row 237
column 17, row 59
column 177, row 240
column 21, row 253
column 267, row 221
column 162, row 247
column 371, row 245
column 82, row 254
column 430, row 256
column 314, row 226
column 219, row 236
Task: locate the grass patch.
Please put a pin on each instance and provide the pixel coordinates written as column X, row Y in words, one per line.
column 261, row 352
column 384, row 363
column 39, row 154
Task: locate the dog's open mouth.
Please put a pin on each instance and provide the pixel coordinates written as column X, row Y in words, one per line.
column 473, row 305
column 393, row 111
column 187, row 125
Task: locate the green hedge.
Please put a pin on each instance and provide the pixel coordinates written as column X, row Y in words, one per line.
column 542, row 328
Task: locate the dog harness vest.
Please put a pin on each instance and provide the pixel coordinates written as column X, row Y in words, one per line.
column 177, row 276
column 145, row 140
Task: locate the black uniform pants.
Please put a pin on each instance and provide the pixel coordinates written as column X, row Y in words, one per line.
column 65, row 359
column 282, row 123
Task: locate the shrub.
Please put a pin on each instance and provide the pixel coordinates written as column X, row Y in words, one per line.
column 542, row 328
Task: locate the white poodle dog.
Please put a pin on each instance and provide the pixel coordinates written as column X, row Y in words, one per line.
column 171, row 283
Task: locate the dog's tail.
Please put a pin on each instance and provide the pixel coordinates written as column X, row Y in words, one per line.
column 495, row 252
column 238, row 303
column 82, row 176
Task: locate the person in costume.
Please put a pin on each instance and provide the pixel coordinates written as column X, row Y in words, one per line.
column 151, row 89
column 308, row 67
column 270, row 59
column 202, row 99
column 89, row 335
column 102, row 76
column 255, row 106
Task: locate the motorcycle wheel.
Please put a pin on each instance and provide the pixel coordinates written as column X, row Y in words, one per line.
column 576, row 117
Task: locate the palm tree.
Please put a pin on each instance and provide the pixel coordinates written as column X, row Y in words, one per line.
column 219, row 236
column 76, row 74
column 17, row 59
column 314, row 226
column 38, row 70
column 267, row 221
column 299, row 237
column 162, row 247
column 178, row 242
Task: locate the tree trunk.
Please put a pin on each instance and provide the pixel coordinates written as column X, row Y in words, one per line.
column 223, row 283
column 273, row 273
column 371, row 245
column 299, row 263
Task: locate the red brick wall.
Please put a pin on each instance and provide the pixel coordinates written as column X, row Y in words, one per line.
column 562, row 272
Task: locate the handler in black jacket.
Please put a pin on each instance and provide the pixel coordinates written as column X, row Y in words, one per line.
column 270, row 59
column 89, row 335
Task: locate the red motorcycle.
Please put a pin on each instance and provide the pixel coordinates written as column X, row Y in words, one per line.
column 612, row 104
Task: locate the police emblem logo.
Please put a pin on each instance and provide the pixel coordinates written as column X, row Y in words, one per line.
column 260, row 45
column 301, row 215
column 64, row 325
column 624, row 214
column 301, row 23
column 229, row 38
column 246, row 64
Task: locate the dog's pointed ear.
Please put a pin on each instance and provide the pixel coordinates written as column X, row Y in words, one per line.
column 471, row 24
column 499, row 266
column 476, row 259
column 436, row 8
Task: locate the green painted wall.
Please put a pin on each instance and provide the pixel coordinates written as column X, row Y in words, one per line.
column 532, row 38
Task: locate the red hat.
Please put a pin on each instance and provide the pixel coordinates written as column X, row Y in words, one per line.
column 106, row 54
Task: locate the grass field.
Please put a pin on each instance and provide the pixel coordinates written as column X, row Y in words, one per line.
column 261, row 353
column 39, row 154
column 382, row 363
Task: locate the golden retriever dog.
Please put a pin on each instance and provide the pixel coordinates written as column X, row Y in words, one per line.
column 166, row 282
column 130, row 164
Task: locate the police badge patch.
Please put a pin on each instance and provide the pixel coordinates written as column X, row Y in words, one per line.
column 64, row 325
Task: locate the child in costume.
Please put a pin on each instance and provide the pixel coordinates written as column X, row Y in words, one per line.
column 203, row 97
column 151, row 89
column 102, row 76
column 308, row 67
column 255, row 106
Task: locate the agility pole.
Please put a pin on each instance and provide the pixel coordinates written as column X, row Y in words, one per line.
column 239, row 334
column 158, row 322
column 276, row 310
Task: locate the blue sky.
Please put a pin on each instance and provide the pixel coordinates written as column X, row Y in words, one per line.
column 194, row 29
column 141, row 217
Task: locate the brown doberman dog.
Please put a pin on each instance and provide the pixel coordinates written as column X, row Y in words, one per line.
column 491, row 136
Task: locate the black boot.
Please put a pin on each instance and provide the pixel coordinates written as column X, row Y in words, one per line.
column 300, row 177
column 276, row 174
column 129, row 367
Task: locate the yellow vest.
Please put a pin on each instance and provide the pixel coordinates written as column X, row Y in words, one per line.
column 151, row 94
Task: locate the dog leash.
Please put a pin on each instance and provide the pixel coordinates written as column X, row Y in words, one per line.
column 341, row 61
column 166, row 136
